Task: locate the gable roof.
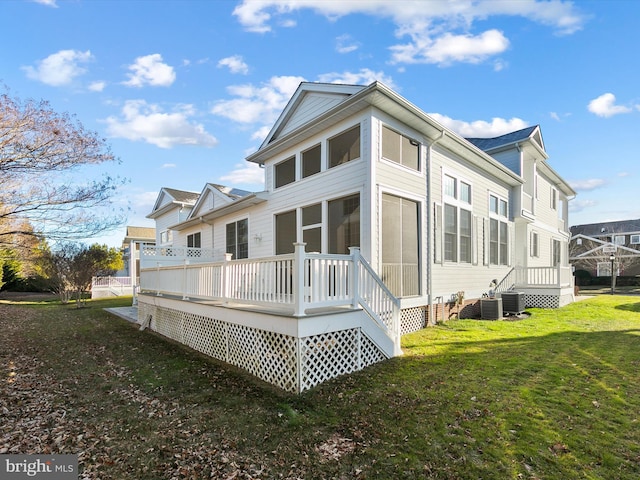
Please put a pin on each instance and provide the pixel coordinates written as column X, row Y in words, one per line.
column 169, row 198
column 510, row 138
column 382, row 97
column 332, row 93
column 225, row 195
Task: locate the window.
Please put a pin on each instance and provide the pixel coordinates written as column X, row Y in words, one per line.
column 619, row 239
column 166, row 236
column 238, row 239
column 285, row 172
column 344, row 224
column 498, row 231
column 450, row 233
column 400, row 245
column 457, row 220
column 635, row 239
column 312, row 227
column 344, row 147
column 556, row 253
column 554, row 199
column 285, row 232
column 534, row 244
column 400, row 149
column 311, row 161
column 194, row 240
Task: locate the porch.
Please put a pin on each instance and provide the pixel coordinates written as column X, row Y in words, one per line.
column 544, row 287
column 292, row 320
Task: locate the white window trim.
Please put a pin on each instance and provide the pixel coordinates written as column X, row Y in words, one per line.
column 500, row 218
column 459, row 205
column 634, row 239
column 420, row 171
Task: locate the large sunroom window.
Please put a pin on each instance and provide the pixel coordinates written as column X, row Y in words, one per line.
column 400, row 149
column 400, row 245
column 344, row 147
column 285, row 172
column 344, row 224
column 311, row 161
column 286, row 227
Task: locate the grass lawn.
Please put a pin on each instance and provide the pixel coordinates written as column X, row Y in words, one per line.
column 554, row 396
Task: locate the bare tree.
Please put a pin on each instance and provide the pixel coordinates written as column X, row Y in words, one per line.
column 41, row 154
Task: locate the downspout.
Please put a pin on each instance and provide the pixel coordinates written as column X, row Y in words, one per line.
column 430, row 238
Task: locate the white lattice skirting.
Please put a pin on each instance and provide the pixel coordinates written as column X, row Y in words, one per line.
column 547, row 301
column 412, row 319
column 291, row 363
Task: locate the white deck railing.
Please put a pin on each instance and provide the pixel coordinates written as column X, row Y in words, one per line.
column 295, row 283
column 522, row 277
column 111, row 282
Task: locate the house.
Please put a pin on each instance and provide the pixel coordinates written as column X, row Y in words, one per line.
column 594, row 247
column 375, row 220
column 124, row 282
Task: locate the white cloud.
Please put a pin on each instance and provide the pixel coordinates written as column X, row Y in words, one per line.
column 97, row 86
column 150, row 70
column 235, row 64
column 450, row 48
column 168, row 165
column 345, row 44
column 245, row 174
column 604, row 106
column 141, row 121
column 580, row 205
column 441, row 32
column 59, row 68
column 590, row 184
column 481, row 128
column 48, row 3
column 258, row 103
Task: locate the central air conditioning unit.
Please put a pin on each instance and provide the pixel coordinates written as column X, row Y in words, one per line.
column 491, row 308
column 513, row 302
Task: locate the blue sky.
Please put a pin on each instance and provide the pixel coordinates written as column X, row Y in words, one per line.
column 184, row 90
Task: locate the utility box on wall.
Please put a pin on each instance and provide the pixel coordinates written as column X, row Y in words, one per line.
column 491, row 308
column 513, row 302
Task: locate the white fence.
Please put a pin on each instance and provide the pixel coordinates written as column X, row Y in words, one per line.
column 294, row 284
column 111, row 286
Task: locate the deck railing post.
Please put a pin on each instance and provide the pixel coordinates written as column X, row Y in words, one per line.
column 355, row 277
column 298, row 279
column 158, row 279
column 184, row 280
column 225, row 277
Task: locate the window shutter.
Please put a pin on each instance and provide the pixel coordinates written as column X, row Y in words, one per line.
column 438, row 237
column 475, row 227
column 511, row 244
column 485, row 237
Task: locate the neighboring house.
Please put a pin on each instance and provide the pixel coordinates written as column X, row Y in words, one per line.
column 124, row 282
column 594, row 246
column 434, row 219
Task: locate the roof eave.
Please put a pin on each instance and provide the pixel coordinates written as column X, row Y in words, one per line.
column 233, row 207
